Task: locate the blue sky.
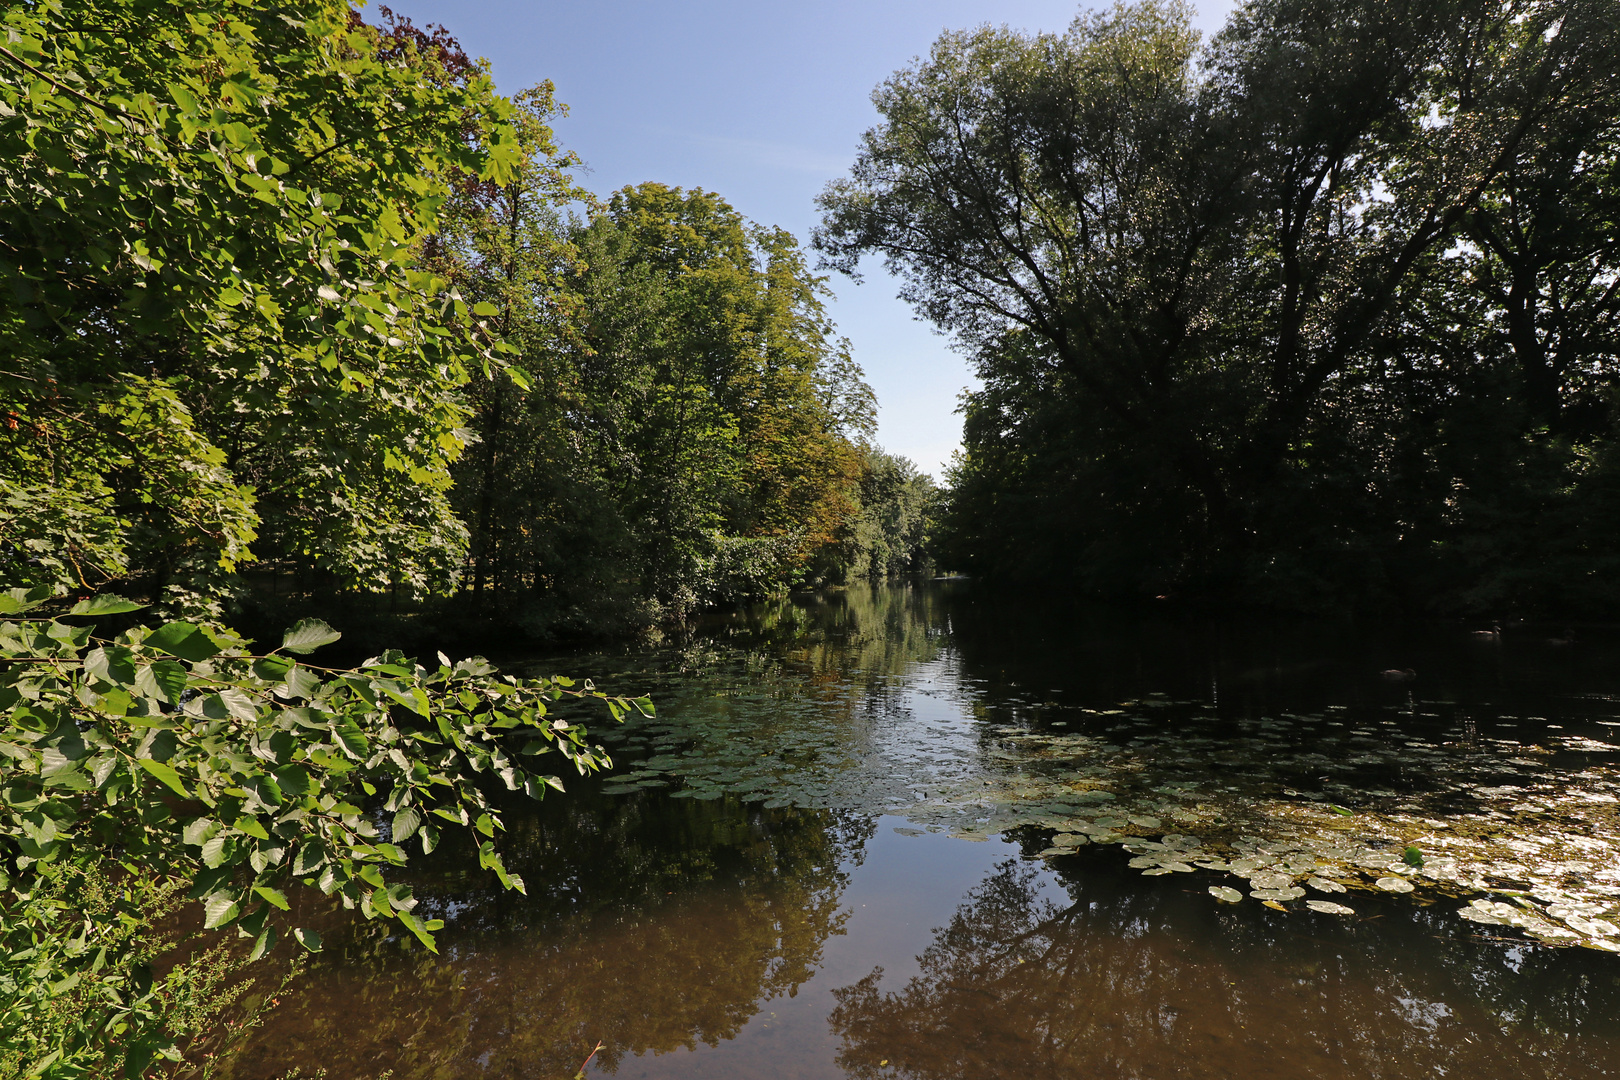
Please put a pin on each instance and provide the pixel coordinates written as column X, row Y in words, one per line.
column 762, row 103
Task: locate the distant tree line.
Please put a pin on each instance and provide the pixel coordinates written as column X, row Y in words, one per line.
column 1322, row 314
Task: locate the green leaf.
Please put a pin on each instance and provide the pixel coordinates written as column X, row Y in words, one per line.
column 238, row 704
column 219, row 909
column 199, row 832
column 162, row 679
column 185, row 640
column 105, row 604
column 213, row 850
column 309, row 939
column 264, row 943
column 293, row 779
column 166, row 774
column 300, row 683
column 405, row 823
column 274, row 896
column 308, row 635
column 251, row 826
column 272, row 668
column 416, row 926
column 485, row 309
column 112, row 664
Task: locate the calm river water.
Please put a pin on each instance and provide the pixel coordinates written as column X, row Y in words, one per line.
column 921, row 832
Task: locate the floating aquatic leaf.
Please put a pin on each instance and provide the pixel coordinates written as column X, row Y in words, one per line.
column 1592, row 927
column 1394, row 884
column 1157, row 871
column 1265, row 880
column 1069, row 840
column 1321, row 884
column 1473, row 914
column 1225, row 893
column 1273, row 905
column 1328, row 907
column 1277, row 894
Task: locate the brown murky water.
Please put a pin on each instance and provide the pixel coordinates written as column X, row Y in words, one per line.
column 787, row 876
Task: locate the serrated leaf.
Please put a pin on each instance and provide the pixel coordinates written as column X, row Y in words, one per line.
column 416, row 926
column 219, row 909
column 162, row 679
column 111, row 664
column 308, row 635
column 166, row 774
column 264, row 943
column 272, row 668
column 310, row 858
column 199, row 832
column 251, row 826
column 405, row 823
column 185, row 640
column 300, row 683
column 238, row 704
column 213, row 850
column 274, row 896
column 105, row 604
column 293, row 779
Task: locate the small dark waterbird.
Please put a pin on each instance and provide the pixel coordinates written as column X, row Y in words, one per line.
column 1493, row 634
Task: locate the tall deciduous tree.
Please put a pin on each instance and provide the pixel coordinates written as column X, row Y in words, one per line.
column 1181, row 277
column 213, row 322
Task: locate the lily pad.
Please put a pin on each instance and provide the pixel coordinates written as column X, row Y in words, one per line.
column 1225, row 894
column 1322, row 884
column 1474, row 914
column 1394, row 884
column 1277, row 894
column 1328, row 907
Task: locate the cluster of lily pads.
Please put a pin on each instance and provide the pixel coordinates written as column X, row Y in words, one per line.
column 1515, row 819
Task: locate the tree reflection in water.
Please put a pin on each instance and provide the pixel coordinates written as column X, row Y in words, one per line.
column 648, row 927
column 1130, row 980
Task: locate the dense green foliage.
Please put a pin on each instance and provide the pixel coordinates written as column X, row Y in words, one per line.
column 213, row 331
column 181, row 755
column 689, row 433
column 1324, row 314
column 887, row 536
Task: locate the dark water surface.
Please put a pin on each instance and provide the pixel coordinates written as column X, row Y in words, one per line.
column 878, row 834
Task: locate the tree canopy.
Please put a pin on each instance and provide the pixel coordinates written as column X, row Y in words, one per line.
column 1244, row 315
